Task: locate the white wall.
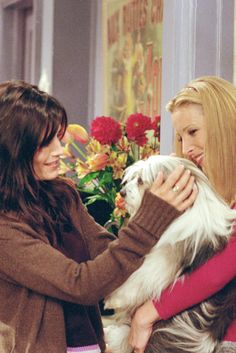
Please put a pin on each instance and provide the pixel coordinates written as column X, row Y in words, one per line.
column 197, row 40
column 47, row 46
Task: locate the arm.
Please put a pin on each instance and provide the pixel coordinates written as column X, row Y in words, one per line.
column 28, row 260
column 193, row 289
column 201, row 284
column 32, row 263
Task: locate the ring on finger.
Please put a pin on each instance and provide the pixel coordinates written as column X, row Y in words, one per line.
column 176, row 188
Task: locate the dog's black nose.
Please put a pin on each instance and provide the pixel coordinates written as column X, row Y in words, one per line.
column 122, row 192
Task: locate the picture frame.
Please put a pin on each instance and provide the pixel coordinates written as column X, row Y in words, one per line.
column 132, row 52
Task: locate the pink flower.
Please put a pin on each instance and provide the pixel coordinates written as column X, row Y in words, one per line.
column 106, row 130
column 120, row 201
column 98, row 162
column 76, row 132
column 136, row 126
column 120, row 210
column 67, row 138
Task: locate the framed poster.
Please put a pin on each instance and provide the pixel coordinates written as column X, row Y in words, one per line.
column 132, row 57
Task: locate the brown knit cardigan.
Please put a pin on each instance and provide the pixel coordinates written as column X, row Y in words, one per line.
column 35, row 277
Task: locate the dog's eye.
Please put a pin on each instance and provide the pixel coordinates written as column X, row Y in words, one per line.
column 140, row 181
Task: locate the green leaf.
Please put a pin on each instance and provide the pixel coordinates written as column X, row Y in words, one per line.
column 87, row 191
column 106, row 179
column 94, row 198
column 88, row 178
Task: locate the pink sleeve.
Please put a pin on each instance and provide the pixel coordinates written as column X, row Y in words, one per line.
column 199, row 285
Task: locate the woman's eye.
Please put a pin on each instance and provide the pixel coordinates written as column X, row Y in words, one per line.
column 192, row 132
column 140, row 181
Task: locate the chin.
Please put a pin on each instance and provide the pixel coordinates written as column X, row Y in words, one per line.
column 190, row 240
column 48, row 177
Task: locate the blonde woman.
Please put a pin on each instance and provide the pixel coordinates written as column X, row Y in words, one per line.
column 204, row 118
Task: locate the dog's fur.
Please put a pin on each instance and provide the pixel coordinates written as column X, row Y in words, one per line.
column 190, row 240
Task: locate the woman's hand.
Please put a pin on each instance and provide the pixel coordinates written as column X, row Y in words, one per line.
column 141, row 326
column 178, row 189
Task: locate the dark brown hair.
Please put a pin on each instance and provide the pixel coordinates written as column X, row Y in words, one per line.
column 29, row 119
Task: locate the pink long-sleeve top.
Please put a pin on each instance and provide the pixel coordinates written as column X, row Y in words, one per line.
column 201, row 284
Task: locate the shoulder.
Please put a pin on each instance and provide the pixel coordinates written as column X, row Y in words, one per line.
column 11, row 226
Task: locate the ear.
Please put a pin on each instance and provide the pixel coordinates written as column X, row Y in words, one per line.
column 140, row 181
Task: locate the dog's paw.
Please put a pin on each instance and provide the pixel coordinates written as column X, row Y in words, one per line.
column 116, row 338
column 109, row 332
column 122, row 298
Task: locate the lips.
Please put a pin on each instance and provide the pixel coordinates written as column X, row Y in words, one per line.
column 199, row 159
column 53, row 164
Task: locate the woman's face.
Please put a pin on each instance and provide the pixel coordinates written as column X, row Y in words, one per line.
column 46, row 161
column 188, row 122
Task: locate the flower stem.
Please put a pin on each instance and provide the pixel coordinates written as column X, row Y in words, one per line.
column 135, row 151
column 79, row 150
column 96, row 184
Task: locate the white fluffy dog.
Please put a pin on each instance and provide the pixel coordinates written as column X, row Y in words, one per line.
column 189, row 241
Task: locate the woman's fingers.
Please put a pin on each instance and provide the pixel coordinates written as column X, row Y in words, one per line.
column 177, row 189
column 157, row 182
column 186, row 203
column 160, row 186
column 174, row 177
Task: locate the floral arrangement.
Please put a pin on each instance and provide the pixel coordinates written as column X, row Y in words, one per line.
column 96, row 162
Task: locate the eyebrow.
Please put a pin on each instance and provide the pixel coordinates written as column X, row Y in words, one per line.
column 188, row 126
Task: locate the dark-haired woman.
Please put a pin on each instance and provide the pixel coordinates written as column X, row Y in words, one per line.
column 56, row 263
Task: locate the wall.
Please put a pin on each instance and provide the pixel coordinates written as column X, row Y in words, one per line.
column 71, row 65
column 197, row 40
column 61, row 45
column 67, row 50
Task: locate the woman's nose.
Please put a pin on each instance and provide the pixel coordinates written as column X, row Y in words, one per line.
column 187, row 149
column 58, row 148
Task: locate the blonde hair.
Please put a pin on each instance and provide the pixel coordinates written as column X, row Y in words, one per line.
column 217, row 97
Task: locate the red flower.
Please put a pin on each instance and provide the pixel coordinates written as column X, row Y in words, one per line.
column 156, row 125
column 136, row 126
column 106, row 130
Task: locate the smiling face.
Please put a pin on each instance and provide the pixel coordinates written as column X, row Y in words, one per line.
column 188, row 122
column 46, row 161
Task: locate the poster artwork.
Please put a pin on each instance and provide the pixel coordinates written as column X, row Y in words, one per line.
column 133, row 57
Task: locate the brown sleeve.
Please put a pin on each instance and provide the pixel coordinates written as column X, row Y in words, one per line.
column 154, row 222
column 33, row 264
